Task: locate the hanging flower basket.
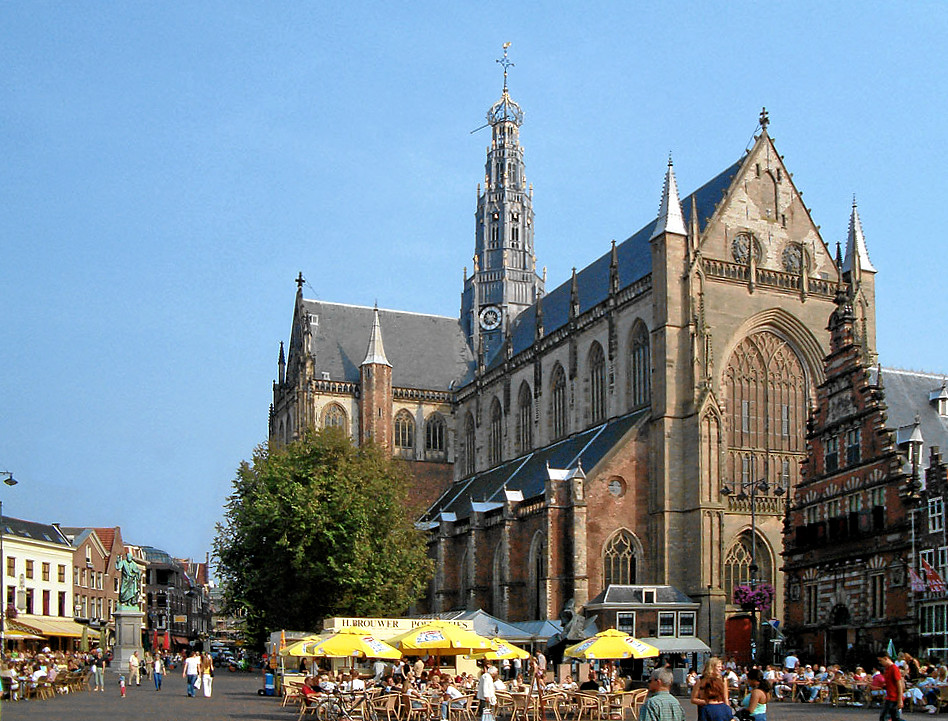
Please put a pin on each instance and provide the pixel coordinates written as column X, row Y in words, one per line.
column 755, row 598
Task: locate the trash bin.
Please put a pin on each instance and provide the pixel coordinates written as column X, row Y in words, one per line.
column 269, row 684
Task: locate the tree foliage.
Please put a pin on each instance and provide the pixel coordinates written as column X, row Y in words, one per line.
column 319, row 528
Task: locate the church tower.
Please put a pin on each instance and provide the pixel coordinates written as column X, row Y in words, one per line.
column 504, row 281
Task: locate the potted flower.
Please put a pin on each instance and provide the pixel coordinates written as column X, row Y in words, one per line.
column 755, row 598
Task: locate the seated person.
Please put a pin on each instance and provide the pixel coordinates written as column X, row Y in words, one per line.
column 590, row 685
column 569, row 685
column 450, row 694
column 355, row 684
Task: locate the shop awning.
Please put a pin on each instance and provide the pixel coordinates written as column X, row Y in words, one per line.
column 678, row 645
column 181, row 640
column 16, row 635
column 47, row 626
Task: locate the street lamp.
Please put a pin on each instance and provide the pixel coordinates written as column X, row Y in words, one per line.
column 10, row 481
column 754, row 487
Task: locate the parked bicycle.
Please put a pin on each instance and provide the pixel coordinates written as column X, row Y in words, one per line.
column 346, row 707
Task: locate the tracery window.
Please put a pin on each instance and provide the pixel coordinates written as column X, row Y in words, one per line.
column 495, row 440
column 597, row 384
column 335, row 417
column 618, row 560
column 404, row 430
column 524, row 419
column 434, row 434
column 766, row 410
column 536, row 583
column 558, row 416
column 738, row 559
column 639, row 385
column 467, row 458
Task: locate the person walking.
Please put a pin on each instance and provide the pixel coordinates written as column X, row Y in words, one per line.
column 133, row 670
column 98, row 672
column 894, row 689
column 157, row 671
column 487, row 693
column 207, row 674
column 191, row 671
column 661, row 705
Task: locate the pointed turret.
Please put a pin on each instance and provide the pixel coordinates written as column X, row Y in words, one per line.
column 375, row 353
column 574, row 296
column 281, row 365
column 670, row 217
column 857, row 255
column 614, row 270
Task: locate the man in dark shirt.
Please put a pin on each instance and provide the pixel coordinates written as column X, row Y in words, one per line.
column 590, row 684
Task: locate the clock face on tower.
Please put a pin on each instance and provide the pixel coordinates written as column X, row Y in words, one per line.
column 490, row 317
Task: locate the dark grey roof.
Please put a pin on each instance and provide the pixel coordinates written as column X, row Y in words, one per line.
column 427, row 352
column 632, row 595
column 528, row 474
column 634, row 257
column 907, row 394
column 45, row 532
column 156, row 555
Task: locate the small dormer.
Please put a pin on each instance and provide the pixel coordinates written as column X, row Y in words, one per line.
column 939, row 399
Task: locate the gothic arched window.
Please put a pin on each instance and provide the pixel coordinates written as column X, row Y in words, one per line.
column 597, row 384
column 639, row 375
column 467, row 465
column 558, row 424
column 434, row 434
column 524, row 419
column 738, row 561
column 766, row 410
column 536, row 577
column 618, row 560
column 335, row 417
column 463, row 581
column 495, row 441
column 498, row 580
column 404, row 430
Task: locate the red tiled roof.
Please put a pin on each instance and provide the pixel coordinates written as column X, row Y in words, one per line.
column 107, row 536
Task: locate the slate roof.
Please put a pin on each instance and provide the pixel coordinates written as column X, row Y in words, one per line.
column 635, row 262
column 528, row 473
column 627, row 595
column 427, row 352
column 907, row 394
column 45, row 532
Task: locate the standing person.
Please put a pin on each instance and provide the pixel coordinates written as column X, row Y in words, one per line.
column 710, row 693
column 756, row 699
column 540, row 661
column 98, row 671
column 191, row 671
column 157, row 671
column 486, row 693
column 207, row 674
column 133, row 672
column 894, row 689
column 791, row 661
column 661, row 705
column 378, row 670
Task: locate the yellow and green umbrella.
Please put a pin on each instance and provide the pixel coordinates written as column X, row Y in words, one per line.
column 350, row 641
column 499, row 651
column 440, row 638
column 610, row 645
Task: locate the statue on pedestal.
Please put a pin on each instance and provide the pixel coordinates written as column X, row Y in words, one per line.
column 130, row 583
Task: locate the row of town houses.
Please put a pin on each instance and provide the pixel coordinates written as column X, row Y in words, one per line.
column 62, row 588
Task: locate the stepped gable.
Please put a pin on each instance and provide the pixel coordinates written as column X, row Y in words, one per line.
column 339, row 333
column 635, row 263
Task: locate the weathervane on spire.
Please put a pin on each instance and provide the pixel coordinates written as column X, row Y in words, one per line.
column 764, row 119
column 506, row 63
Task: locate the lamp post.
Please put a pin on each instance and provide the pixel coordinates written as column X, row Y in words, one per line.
column 10, row 481
column 743, row 495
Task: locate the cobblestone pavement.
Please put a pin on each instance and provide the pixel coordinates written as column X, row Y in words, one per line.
column 235, row 697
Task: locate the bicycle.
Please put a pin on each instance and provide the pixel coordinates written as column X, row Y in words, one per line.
column 347, row 706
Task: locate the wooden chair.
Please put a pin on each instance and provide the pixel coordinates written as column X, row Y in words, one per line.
column 637, row 700
column 309, row 704
column 462, row 708
column 505, row 705
column 589, row 706
column 292, row 692
column 416, row 707
column 840, row 694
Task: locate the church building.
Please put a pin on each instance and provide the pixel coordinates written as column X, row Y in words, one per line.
column 571, row 439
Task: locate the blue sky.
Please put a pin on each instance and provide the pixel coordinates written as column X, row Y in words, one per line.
column 168, row 168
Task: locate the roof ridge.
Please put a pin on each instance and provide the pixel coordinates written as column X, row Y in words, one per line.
column 908, row 371
column 381, row 310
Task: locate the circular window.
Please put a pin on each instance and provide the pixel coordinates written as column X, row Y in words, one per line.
column 617, row 487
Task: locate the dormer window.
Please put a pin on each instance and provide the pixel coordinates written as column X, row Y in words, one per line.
column 648, row 595
column 939, row 398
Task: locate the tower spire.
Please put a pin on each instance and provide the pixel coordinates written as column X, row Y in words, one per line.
column 506, row 63
column 670, row 218
column 857, row 255
column 375, row 353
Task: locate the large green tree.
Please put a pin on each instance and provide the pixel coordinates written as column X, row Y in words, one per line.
column 319, row 528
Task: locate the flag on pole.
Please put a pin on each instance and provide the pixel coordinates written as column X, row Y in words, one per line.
column 936, row 584
column 918, row 585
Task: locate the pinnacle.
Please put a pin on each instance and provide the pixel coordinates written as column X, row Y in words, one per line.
column 856, row 244
column 670, row 217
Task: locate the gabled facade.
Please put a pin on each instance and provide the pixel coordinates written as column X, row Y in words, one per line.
column 852, row 534
column 95, row 597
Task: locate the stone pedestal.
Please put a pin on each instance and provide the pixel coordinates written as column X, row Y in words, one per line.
column 128, row 639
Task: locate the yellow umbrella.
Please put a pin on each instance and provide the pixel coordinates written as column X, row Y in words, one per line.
column 611, row 644
column 299, row 648
column 441, row 637
column 349, row 641
column 499, row 651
